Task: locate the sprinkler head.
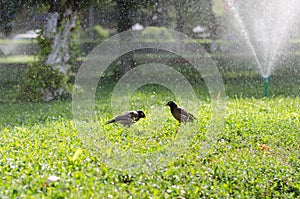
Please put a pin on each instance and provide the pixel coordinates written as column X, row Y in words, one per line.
column 266, row 84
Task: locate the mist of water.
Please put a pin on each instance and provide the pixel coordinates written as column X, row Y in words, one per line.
column 9, row 48
column 266, row 28
column 244, row 32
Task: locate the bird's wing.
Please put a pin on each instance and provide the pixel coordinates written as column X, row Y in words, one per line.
column 125, row 122
column 186, row 116
column 124, row 119
column 183, row 112
column 124, row 116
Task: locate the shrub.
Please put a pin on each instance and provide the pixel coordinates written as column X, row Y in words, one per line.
column 157, row 34
column 38, row 78
column 100, row 33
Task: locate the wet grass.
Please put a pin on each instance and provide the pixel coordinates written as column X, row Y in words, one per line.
column 253, row 154
column 17, row 59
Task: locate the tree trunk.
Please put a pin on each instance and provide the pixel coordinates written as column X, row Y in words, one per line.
column 179, row 15
column 60, row 55
column 91, row 22
column 125, row 8
column 158, row 14
column 213, row 28
column 59, row 29
column 179, row 7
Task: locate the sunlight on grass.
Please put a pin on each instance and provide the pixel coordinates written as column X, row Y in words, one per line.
column 254, row 153
column 17, row 59
column 258, row 146
column 16, row 41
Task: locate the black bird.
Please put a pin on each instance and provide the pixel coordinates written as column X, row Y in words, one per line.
column 179, row 113
column 127, row 118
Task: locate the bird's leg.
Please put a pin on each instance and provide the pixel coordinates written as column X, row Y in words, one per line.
column 176, row 131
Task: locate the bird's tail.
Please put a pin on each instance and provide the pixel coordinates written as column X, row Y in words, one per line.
column 110, row 121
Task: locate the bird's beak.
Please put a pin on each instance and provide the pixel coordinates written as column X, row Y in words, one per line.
column 166, row 104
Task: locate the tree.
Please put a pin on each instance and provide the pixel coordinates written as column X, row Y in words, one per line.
column 8, row 11
column 48, row 77
column 214, row 22
column 179, row 15
column 125, row 9
column 59, row 28
column 158, row 13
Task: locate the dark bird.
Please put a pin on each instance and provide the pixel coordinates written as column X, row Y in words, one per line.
column 179, row 113
column 127, row 118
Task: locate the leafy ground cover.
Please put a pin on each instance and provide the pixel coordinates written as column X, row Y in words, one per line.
column 255, row 154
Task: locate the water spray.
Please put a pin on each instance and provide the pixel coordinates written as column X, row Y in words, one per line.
column 266, row 31
column 266, row 84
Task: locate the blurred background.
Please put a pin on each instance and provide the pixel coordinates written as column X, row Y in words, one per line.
column 53, row 38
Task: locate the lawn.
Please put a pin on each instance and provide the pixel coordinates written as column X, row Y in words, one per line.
column 254, row 152
column 16, row 59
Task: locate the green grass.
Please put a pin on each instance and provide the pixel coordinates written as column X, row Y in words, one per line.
column 16, row 41
column 255, row 153
column 17, row 59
